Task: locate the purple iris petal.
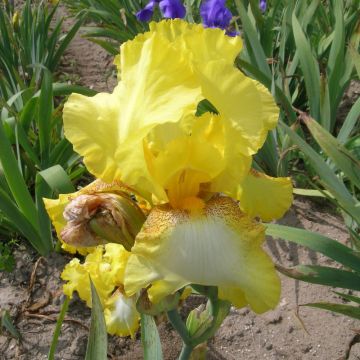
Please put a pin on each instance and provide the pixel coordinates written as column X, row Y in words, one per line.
column 262, row 5
column 169, row 8
column 147, row 12
column 215, row 14
column 172, row 9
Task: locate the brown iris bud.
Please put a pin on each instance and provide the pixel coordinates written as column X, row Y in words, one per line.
column 95, row 219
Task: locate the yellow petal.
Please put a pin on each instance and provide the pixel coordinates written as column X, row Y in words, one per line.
column 105, row 266
column 190, row 157
column 204, row 44
column 77, row 276
column 264, row 196
column 247, row 107
column 157, row 86
column 221, row 247
column 121, row 316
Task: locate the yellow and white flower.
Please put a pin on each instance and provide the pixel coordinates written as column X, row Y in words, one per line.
column 194, row 169
column 105, row 266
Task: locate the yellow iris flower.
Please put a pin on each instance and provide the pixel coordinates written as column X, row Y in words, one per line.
column 106, row 266
column 194, row 170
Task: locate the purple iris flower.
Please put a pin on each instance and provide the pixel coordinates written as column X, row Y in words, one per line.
column 169, row 8
column 262, row 5
column 215, row 14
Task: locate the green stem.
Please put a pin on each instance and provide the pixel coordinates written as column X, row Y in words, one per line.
column 185, row 352
column 179, row 325
column 189, row 14
column 58, row 329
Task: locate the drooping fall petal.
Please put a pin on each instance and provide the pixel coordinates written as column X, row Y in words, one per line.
column 219, row 247
column 264, row 196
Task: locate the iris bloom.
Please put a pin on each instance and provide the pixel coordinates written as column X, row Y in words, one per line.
column 105, row 266
column 214, row 13
column 262, row 5
column 170, row 9
column 194, row 170
column 76, row 218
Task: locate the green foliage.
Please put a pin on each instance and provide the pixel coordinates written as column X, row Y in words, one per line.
column 303, row 52
column 36, row 160
column 150, row 339
column 97, row 342
column 59, row 322
column 114, row 20
column 347, row 278
column 30, row 41
column 7, row 324
column 7, row 261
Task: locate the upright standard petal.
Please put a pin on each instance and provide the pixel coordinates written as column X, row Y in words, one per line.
column 157, row 86
column 202, row 44
column 219, row 247
column 172, row 9
column 264, row 196
column 214, row 13
column 146, row 13
column 247, row 106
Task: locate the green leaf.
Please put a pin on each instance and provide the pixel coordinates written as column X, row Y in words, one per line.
column 150, row 339
column 327, row 176
column 253, row 45
column 97, row 342
column 309, row 68
column 348, row 310
column 349, row 297
column 57, row 331
column 15, row 180
column 58, row 180
column 44, row 117
column 336, row 60
column 336, row 152
column 20, row 222
column 323, row 275
column 7, row 323
column 317, row 242
column 66, row 41
column 350, row 122
column 61, row 89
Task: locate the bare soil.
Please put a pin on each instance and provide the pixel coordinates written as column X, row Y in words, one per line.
column 33, row 294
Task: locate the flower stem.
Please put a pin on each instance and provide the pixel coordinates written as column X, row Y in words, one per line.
column 185, row 352
column 179, row 326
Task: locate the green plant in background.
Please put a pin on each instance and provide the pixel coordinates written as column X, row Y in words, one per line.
column 30, row 40
column 303, row 51
column 36, row 161
column 35, row 158
column 114, row 20
column 347, row 277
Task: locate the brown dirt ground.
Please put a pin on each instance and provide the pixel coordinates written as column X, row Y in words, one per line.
column 279, row 334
